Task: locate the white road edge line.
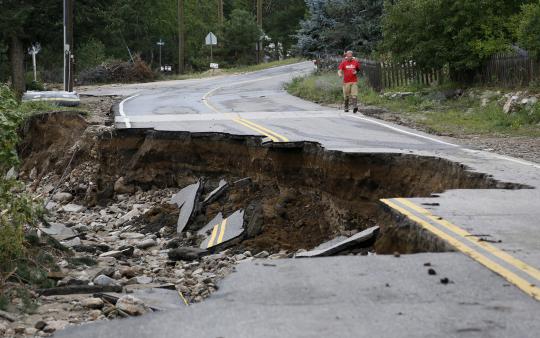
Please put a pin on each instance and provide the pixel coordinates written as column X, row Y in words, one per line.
column 123, row 113
column 404, row 131
column 501, row 157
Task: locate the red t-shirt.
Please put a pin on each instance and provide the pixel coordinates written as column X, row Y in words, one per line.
column 349, row 68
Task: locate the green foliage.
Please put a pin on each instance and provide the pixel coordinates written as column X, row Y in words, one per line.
column 90, row 54
column 17, row 209
column 240, row 34
column 458, row 33
column 528, row 30
column 335, row 26
column 281, row 21
column 321, row 88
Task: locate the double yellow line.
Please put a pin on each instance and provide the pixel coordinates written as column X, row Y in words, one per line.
column 275, row 137
column 220, row 228
column 459, row 239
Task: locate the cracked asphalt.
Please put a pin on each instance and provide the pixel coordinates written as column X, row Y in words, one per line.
column 495, row 296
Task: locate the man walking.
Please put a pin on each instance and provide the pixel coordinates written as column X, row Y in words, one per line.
column 348, row 70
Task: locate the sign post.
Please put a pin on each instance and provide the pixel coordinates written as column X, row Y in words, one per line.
column 211, row 40
column 160, row 43
column 34, row 50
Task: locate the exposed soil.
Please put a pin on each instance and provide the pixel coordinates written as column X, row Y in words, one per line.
column 305, row 194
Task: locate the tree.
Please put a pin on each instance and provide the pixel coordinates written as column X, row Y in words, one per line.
column 458, row 33
column 22, row 23
column 240, row 34
column 281, row 20
column 528, row 31
column 339, row 25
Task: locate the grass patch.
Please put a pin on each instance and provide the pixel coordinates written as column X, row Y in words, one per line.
column 428, row 107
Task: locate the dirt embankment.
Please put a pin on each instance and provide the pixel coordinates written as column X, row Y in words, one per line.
column 306, row 194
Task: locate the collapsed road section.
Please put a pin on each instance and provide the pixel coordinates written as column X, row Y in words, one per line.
column 295, row 196
column 144, row 210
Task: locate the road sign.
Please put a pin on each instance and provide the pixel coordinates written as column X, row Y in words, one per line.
column 211, row 39
column 214, row 66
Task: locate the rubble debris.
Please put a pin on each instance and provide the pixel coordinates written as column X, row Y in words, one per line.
column 55, row 325
column 186, row 254
column 117, row 72
column 79, row 289
column 157, row 299
column 63, row 197
column 92, row 303
column 7, row 316
column 58, row 231
column 187, row 200
column 262, row 254
column 73, row 208
column 226, row 231
column 132, row 306
column 103, row 280
column 361, row 238
column 216, row 193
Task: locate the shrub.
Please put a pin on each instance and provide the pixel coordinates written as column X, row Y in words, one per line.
column 17, row 209
column 528, row 31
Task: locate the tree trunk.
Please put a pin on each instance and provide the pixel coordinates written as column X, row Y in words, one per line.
column 16, row 58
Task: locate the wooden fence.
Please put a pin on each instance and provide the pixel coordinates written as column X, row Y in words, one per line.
column 509, row 70
column 386, row 75
column 502, row 70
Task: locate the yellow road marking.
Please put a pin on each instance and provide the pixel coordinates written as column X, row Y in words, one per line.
column 266, row 131
column 213, row 237
column 521, row 283
column 223, row 227
column 273, row 138
column 531, row 271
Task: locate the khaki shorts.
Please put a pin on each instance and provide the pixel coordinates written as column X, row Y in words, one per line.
column 350, row 89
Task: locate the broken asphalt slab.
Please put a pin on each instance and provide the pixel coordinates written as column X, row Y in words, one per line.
column 216, row 193
column 59, row 231
column 187, row 200
column 223, row 232
column 329, row 249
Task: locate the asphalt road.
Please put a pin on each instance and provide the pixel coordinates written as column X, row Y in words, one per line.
column 494, row 290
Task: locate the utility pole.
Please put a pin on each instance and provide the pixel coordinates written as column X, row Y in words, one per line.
column 181, row 37
column 68, row 45
column 260, row 50
column 160, row 44
column 221, row 13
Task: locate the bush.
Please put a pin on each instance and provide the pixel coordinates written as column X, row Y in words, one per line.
column 90, row 55
column 528, row 31
column 18, row 211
